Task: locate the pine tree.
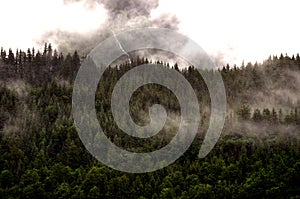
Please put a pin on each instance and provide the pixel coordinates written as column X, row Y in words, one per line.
column 244, row 112
column 29, row 56
column 257, row 117
column 274, row 116
column 3, row 55
column 11, row 57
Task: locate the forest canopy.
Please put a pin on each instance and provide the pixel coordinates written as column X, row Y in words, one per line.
column 42, row 156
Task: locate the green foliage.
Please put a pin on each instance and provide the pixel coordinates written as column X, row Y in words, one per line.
column 244, row 112
column 43, row 157
column 257, row 116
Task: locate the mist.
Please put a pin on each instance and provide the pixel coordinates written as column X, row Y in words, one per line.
column 120, row 16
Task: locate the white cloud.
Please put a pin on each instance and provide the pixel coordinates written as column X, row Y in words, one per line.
column 26, row 21
column 235, row 29
column 250, row 30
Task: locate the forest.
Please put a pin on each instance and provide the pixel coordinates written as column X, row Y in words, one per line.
column 42, row 156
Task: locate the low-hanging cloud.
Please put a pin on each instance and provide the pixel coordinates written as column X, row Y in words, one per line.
column 121, row 15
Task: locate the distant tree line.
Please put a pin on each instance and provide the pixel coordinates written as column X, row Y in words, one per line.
column 37, row 67
column 266, row 115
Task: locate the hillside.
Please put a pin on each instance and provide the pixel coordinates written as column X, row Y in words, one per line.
column 42, row 156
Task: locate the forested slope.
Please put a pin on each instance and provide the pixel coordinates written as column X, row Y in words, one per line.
column 258, row 154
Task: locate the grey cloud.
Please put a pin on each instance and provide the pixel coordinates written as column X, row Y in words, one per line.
column 122, row 15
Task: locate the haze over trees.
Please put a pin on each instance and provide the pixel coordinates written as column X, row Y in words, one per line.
column 41, row 155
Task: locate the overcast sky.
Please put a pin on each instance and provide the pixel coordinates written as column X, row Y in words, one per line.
column 233, row 30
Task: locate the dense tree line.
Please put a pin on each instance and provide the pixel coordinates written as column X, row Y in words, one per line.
column 43, row 157
column 266, row 115
column 36, row 67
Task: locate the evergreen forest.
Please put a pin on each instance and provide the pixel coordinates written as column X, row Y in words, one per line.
column 42, row 156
